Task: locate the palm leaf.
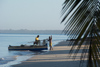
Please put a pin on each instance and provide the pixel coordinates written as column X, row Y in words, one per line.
column 82, row 24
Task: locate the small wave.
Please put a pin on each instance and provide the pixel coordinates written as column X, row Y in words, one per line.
column 13, row 60
column 7, row 59
column 1, row 59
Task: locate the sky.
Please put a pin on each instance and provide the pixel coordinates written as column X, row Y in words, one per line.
column 31, row 14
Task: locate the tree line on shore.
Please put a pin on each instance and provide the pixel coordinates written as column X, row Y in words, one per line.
column 25, row 31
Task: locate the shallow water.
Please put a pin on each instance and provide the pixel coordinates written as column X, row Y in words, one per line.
column 8, row 58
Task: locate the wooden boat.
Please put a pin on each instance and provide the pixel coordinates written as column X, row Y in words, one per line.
column 31, row 47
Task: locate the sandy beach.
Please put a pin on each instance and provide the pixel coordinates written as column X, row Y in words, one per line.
column 58, row 57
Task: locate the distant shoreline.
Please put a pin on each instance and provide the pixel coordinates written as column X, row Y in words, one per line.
column 24, row 31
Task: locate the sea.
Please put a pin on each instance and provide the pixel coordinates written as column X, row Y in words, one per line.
column 8, row 58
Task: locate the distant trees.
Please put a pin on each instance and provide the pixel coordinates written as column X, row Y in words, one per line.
column 82, row 19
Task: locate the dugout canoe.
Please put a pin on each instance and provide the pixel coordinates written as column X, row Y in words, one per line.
column 30, row 48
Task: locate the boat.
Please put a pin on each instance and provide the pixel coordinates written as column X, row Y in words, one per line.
column 33, row 47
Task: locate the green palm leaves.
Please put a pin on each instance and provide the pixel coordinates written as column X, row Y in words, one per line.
column 82, row 24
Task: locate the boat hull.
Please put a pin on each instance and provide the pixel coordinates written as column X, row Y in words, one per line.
column 31, row 48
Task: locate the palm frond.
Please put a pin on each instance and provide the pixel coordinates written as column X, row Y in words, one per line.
column 82, row 24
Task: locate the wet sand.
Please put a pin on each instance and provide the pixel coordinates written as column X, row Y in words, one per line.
column 58, row 57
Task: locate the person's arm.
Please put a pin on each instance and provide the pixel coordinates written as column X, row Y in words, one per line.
column 51, row 37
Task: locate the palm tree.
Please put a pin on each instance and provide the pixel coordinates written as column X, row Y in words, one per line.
column 82, row 19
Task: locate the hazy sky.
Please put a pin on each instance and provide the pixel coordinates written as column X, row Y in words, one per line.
column 31, row 14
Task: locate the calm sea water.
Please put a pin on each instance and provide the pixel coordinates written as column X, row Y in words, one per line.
column 8, row 58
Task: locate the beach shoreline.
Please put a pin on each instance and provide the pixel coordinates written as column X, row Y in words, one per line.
column 57, row 57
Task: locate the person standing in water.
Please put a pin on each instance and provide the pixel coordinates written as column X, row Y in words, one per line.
column 50, row 42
